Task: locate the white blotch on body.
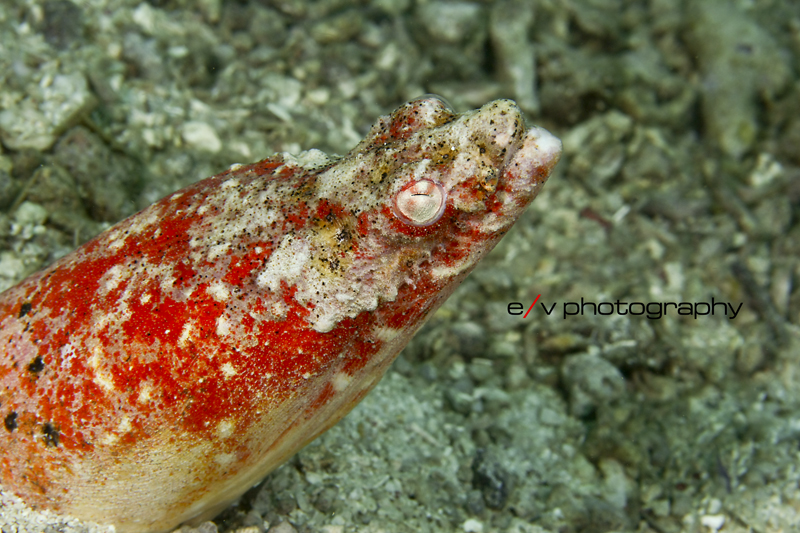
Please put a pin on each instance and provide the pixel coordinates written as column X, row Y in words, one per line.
column 68, row 353
column 219, row 291
column 218, row 250
column 285, row 263
column 227, row 370
column 145, row 392
column 223, row 326
column 124, row 425
column 340, row 381
column 186, row 332
column 386, row 334
column 109, row 439
column 101, row 378
column 225, row 429
column 112, row 277
column 224, row 459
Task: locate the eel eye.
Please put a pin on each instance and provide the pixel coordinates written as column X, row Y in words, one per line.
column 420, row 203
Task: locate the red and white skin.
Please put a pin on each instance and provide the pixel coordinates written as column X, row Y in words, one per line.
column 159, row 371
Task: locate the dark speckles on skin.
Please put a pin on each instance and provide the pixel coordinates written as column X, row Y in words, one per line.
column 10, row 421
column 37, row 365
column 343, row 235
column 50, row 435
column 24, row 309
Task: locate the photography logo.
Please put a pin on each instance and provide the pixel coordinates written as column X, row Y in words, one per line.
column 651, row 310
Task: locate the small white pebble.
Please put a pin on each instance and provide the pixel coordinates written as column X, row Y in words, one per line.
column 205, row 527
column 201, row 136
column 248, row 529
column 283, row 527
column 472, row 526
column 714, row 522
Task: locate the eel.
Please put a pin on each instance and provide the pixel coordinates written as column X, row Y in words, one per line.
column 153, row 375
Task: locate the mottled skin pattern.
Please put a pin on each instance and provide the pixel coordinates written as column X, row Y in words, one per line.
column 160, row 370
